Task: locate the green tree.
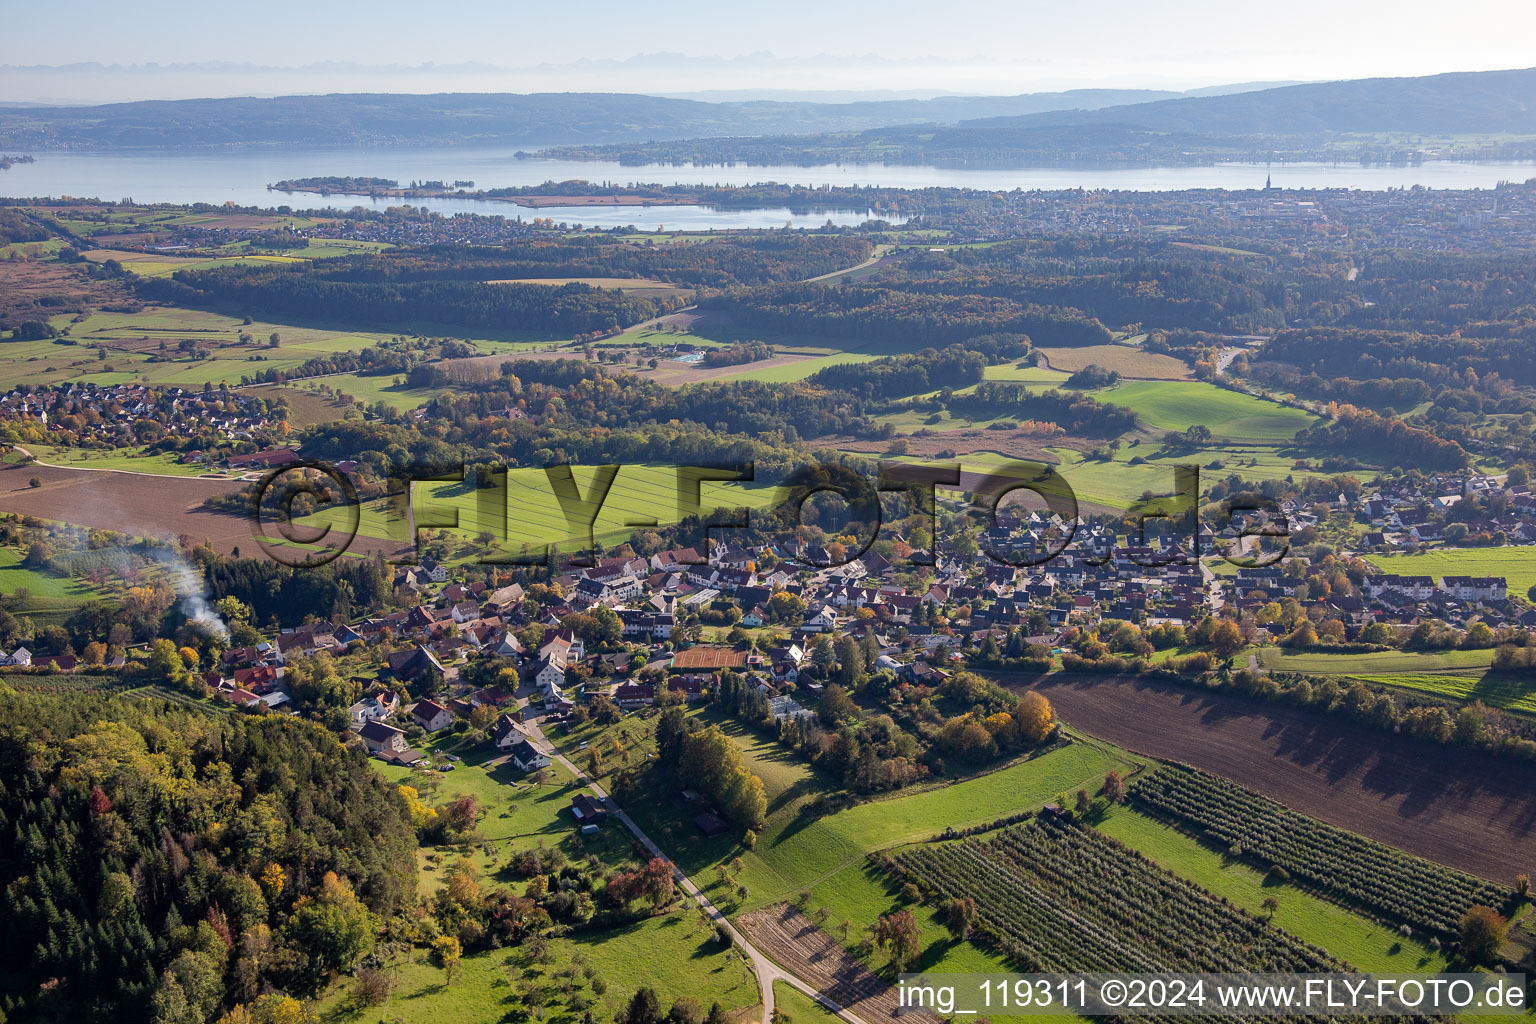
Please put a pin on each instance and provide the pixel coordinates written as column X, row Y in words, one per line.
column 333, row 928
column 644, row 1007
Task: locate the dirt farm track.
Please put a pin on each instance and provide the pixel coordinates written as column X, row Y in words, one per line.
column 1450, row 805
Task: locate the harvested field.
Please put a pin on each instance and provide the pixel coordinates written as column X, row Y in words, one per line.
column 306, row 407
column 793, row 941
column 1126, row 360
column 1453, row 806
column 139, row 504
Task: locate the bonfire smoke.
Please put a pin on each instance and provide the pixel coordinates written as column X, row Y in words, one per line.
column 195, row 603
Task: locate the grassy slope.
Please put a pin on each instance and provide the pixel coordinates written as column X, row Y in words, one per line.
column 801, row 1008
column 51, row 598
column 529, row 513
column 1178, row 405
column 1383, row 662
column 674, row 953
column 1515, row 564
column 1506, row 692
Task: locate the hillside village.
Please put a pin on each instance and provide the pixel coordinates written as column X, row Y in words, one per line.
column 631, row 632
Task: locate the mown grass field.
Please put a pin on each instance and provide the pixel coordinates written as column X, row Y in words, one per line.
column 125, row 459
column 528, row 512
column 1378, row 663
column 132, row 343
column 674, row 953
column 133, row 340
column 801, row 1008
column 1515, row 564
column 1117, row 483
column 1179, row 405
column 1020, row 374
column 639, row 286
column 1507, row 692
column 165, row 264
column 800, row 369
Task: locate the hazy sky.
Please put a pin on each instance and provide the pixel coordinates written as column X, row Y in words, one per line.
column 983, row 45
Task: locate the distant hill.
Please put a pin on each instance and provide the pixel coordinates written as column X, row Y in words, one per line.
column 534, row 119
column 1376, row 118
column 1484, row 102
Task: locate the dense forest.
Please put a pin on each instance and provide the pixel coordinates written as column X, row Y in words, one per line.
column 160, row 864
column 281, row 594
column 906, row 317
column 478, row 287
column 332, row 290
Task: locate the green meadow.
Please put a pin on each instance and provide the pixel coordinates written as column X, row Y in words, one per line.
column 1515, row 564
column 1179, row 405
column 528, row 512
column 129, row 460
column 1510, row 693
column 50, row 598
column 1378, row 663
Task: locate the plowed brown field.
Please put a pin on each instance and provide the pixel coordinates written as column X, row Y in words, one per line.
column 139, row 504
column 1454, row 806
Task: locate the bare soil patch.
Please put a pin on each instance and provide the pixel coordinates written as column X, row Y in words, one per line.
column 1127, row 361
column 1454, row 806
column 792, row 940
column 139, row 504
column 305, row 408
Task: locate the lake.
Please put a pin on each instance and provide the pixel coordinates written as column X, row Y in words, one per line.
column 242, row 176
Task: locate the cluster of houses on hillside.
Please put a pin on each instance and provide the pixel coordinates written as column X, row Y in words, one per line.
column 660, row 600
column 1402, row 517
column 117, row 413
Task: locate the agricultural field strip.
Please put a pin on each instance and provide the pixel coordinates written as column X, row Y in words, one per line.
column 1349, row 868
column 1056, row 896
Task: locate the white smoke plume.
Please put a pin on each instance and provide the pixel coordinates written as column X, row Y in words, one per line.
column 195, row 599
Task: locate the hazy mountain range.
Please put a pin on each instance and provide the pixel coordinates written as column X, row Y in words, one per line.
column 1085, row 123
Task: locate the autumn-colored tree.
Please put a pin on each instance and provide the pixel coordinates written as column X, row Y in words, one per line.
column 1114, row 788
column 273, row 1008
column 898, row 934
column 657, row 882
column 1035, row 716
column 1226, row 638
column 1482, row 933
column 446, row 953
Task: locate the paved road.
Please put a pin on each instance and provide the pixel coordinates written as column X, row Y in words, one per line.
column 766, row 970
